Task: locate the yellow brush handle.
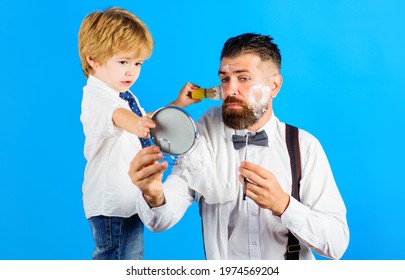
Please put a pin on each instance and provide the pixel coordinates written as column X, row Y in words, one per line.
column 198, row 94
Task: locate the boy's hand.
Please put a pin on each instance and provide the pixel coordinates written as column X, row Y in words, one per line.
column 144, row 125
column 184, row 98
column 129, row 121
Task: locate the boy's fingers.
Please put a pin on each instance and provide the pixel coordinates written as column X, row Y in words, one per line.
column 147, row 122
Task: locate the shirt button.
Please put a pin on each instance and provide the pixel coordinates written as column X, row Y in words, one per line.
column 254, row 243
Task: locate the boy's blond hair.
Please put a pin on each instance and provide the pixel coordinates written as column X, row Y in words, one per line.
column 103, row 34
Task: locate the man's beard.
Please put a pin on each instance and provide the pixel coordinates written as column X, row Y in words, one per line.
column 241, row 118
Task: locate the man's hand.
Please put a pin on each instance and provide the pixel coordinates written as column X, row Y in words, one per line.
column 146, row 173
column 265, row 190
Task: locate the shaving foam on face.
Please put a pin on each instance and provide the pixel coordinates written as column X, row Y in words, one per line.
column 259, row 96
column 228, row 66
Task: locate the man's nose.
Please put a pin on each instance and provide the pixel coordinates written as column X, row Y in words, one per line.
column 231, row 88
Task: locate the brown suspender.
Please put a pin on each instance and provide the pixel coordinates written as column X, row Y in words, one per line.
column 293, row 245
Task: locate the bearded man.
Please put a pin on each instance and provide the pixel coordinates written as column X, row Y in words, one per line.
column 244, row 187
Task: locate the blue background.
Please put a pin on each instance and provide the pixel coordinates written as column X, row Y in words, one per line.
column 343, row 69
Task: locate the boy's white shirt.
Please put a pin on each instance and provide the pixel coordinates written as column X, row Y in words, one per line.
column 107, row 188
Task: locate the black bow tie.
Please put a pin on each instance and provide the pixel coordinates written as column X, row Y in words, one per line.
column 259, row 139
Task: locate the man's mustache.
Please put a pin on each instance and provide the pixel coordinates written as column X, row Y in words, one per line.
column 233, row 100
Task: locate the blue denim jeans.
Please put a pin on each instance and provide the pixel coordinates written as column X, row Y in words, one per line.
column 117, row 238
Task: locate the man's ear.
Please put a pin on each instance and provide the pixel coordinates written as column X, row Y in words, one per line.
column 91, row 61
column 275, row 84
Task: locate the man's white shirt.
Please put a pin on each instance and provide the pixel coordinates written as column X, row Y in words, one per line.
column 234, row 228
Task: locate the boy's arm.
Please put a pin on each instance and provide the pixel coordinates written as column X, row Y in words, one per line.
column 127, row 120
column 184, row 98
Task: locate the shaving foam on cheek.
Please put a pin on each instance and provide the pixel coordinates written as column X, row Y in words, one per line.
column 259, row 96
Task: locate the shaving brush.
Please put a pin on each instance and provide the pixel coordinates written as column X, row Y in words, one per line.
column 212, row 93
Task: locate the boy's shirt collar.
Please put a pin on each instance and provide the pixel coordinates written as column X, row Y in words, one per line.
column 93, row 81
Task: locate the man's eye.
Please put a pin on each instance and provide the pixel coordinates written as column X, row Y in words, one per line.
column 138, row 63
column 123, row 62
column 224, row 80
column 243, row 79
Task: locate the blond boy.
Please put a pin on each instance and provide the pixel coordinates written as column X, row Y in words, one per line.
column 113, row 44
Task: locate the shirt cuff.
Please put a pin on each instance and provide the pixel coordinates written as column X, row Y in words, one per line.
column 149, row 215
column 295, row 215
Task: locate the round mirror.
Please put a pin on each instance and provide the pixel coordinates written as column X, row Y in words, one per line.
column 175, row 131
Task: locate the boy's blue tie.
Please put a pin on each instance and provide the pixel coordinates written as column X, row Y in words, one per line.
column 134, row 107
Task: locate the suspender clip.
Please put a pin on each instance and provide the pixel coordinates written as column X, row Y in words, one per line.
column 293, row 248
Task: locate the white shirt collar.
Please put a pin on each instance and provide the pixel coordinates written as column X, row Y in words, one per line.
column 93, row 81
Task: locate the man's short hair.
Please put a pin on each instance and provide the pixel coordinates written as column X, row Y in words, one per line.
column 252, row 43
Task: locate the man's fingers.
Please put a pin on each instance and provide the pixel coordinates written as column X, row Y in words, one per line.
column 250, row 170
column 145, row 157
column 149, row 172
column 251, row 176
